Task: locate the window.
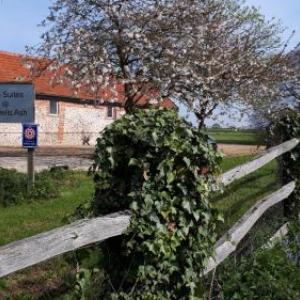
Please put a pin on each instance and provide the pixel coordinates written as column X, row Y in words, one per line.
column 109, row 111
column 53, row 107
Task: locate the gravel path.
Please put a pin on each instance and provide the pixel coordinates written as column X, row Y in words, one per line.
column 77, row 158
column 45, row 162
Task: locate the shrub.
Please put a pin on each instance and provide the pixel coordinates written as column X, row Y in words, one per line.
column 268, row 274
column 162, row 169
column 13, row 186
column 46, row 186
column 265, row 274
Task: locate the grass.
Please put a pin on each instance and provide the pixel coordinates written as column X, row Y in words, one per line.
column 55, row 277
column 244, row 193
column 52, row 279
column 237, row 136
column 26, row 219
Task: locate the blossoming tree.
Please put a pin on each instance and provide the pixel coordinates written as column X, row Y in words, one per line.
column 201, row 53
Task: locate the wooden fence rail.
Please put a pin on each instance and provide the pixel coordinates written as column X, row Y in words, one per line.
column 250, row 167
column 41, row 247
column 30, row 251
column 229, row 242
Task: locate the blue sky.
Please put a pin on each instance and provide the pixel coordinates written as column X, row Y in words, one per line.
column 18, row 23
column 19, row 20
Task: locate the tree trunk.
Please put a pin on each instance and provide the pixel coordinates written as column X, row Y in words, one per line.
column 129, row 103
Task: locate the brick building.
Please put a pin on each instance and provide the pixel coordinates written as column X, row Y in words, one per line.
column 63, row 117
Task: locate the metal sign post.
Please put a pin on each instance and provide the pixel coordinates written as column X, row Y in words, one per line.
column 30, row 141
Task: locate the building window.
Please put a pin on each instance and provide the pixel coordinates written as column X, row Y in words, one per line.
column 109, row 111
column 53, row 107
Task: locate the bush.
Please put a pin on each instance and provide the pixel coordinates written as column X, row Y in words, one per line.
column 163, row 170
column 265, row 274
column 269, row 274
column 13, row 186
column 46, row 186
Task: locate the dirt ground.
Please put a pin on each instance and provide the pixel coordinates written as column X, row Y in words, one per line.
column 87, row 151
column 239, row 150
column 82, row 152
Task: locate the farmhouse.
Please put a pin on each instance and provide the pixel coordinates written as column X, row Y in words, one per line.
column 64, row 118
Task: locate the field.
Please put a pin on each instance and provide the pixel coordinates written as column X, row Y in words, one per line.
column 55, row 277
column 237, row 136
column 244, row 193
column 47, row 280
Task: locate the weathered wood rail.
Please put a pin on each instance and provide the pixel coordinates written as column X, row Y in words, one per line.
column 229, row 242
column 250, row 167
column 33, row 250
column 30, row 251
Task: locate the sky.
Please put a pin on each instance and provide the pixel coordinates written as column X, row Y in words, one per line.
column 19, row 21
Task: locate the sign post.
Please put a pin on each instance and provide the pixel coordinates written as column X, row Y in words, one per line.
column 17, row 106
column 30, row 141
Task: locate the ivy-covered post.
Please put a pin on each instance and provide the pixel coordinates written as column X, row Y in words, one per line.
column 163, row 170
column 285, row 128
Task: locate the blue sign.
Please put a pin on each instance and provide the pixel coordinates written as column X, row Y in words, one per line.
column 30, row 135
column 16, row 103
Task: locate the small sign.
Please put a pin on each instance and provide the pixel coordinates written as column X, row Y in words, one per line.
column 16, row 103
column 30, row 135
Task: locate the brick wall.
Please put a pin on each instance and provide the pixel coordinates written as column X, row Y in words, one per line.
column 74, row 124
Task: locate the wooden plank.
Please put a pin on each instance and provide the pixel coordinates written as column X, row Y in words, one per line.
column 33, row 250
column 228, row 243
column 247, row 168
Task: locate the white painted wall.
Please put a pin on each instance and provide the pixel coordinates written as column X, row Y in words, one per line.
column 67, row 128
column 83, row 122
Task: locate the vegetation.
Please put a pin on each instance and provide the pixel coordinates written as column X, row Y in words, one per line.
column 237, row 136
column 56, row 279
column 285, row 128
column 40, row 214
column 263, row 273
column 267, row 274
column 163, row 170
column 203, row 53
column 13, row 186
column 244, row 193
column 26, row 218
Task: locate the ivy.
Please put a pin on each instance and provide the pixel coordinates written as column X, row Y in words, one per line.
column 282, row 129
column 163, row 170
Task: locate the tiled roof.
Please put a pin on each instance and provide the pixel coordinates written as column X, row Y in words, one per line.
column 13, row 69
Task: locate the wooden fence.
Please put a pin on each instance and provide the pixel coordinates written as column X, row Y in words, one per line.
column 30, row 251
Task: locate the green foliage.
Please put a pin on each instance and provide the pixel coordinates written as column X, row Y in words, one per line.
column 265, row 274
column 269, row 274
column 237, row 136
column 162, row 169
column 47, row 280
column 284, row 129
column 242, row 194
column 13, row 186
